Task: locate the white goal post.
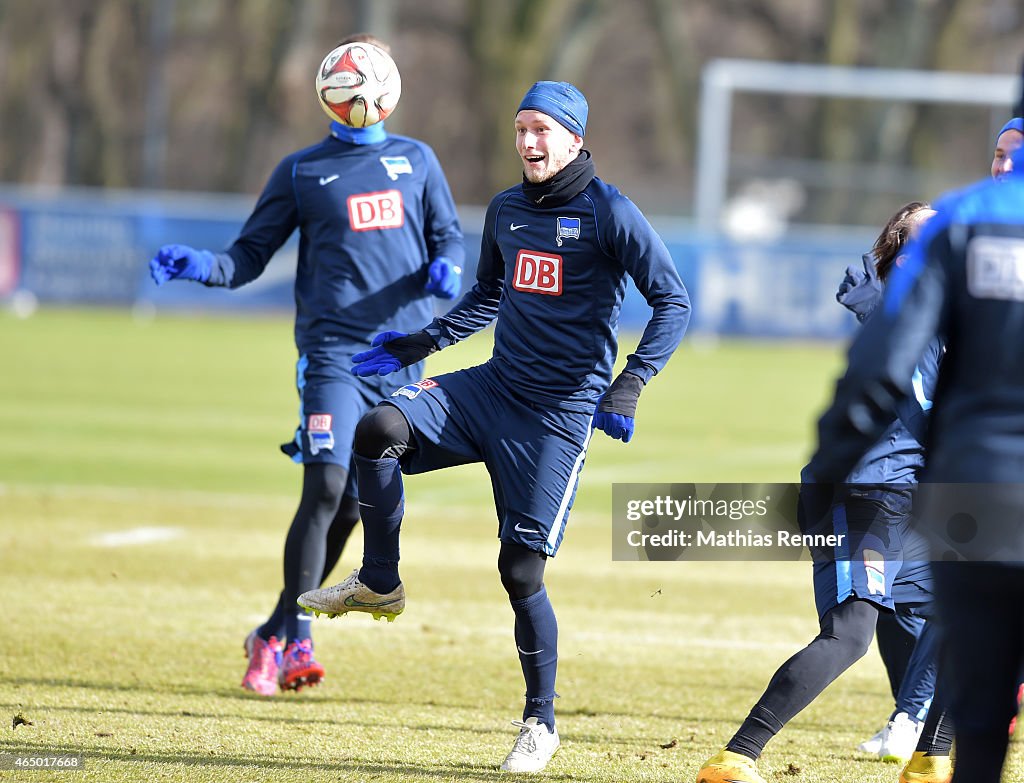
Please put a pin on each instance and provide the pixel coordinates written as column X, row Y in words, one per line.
column 722, row 78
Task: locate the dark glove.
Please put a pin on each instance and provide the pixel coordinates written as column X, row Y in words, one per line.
column 172, row 262
column 861, row 291
column 392, row 351
column 444, row 279
column 617, row 409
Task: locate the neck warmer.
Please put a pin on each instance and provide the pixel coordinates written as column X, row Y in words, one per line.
column 565, row 185
column 374, row 134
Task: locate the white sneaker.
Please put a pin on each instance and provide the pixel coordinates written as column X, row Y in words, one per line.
column 872, row 745
column 534, row 747
column 899, row 739
column 353, row 596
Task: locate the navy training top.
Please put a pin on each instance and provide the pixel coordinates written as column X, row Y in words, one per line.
column 371, row 217
column 555, row 278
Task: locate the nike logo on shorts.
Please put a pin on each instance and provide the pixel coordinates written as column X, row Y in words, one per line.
column 525, row 529
column 514, row 227
column 328, row 180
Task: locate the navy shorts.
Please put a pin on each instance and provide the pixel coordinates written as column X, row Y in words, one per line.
column 331, row 402
column 871, row 562
column 533, row 454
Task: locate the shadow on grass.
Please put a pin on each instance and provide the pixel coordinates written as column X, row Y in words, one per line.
column 600, row 740
column 311, row 701
column 265, row 710
column 166, row 689
column 351, row 768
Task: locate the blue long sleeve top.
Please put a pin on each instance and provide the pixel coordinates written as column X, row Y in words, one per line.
column 370, row 217
column 554, row 278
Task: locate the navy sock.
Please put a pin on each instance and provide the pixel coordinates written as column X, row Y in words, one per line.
column 537, row 641
column 287, row 622
column 274, row 626
column 381, row 505
column 301, row 624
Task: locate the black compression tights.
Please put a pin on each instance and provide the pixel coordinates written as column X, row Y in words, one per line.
column 317, row 536
column 846, row 633
column 306, row 544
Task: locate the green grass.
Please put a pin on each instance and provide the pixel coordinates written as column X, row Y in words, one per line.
column 132, row 654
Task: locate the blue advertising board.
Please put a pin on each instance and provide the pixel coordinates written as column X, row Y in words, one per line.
column 84, row 246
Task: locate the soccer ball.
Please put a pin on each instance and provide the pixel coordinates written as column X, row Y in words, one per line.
column 358, row 84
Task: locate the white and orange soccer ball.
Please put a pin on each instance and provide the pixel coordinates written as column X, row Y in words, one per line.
column 358, row 84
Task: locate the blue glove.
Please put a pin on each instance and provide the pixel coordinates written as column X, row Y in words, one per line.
column 172, row 262
column 392, row 351
column 615, row 425
column 444, row 279
column 860, row 292
column 617, row 408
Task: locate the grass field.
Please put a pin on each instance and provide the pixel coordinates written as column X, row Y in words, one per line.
column 131, row 652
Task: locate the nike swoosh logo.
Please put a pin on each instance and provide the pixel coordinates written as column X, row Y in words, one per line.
column 326, row 180
column 365, row 505
column 525, row 529
column 353, row 602
column 536, row 652
column 514, row 227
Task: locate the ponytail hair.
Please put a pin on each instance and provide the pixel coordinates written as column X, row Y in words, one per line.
column 895, row 236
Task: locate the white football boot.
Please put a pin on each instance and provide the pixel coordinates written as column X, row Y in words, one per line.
column 533, row 749
column 872, row 745
column 899, row 738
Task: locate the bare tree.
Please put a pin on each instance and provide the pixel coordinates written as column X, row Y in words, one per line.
column 511, row 45
column 228, row 86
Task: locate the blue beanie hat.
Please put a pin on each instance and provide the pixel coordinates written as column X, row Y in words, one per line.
column 561, row 101
column 1017, row 124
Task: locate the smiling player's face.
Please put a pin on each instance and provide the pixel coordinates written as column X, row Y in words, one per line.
column 544, row 145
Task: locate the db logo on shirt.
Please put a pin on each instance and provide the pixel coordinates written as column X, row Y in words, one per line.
column 538, row 273
column 376, row 210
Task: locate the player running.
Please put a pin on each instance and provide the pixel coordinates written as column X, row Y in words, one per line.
column 378, row 236
column 870, row 575
column 554, row 258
